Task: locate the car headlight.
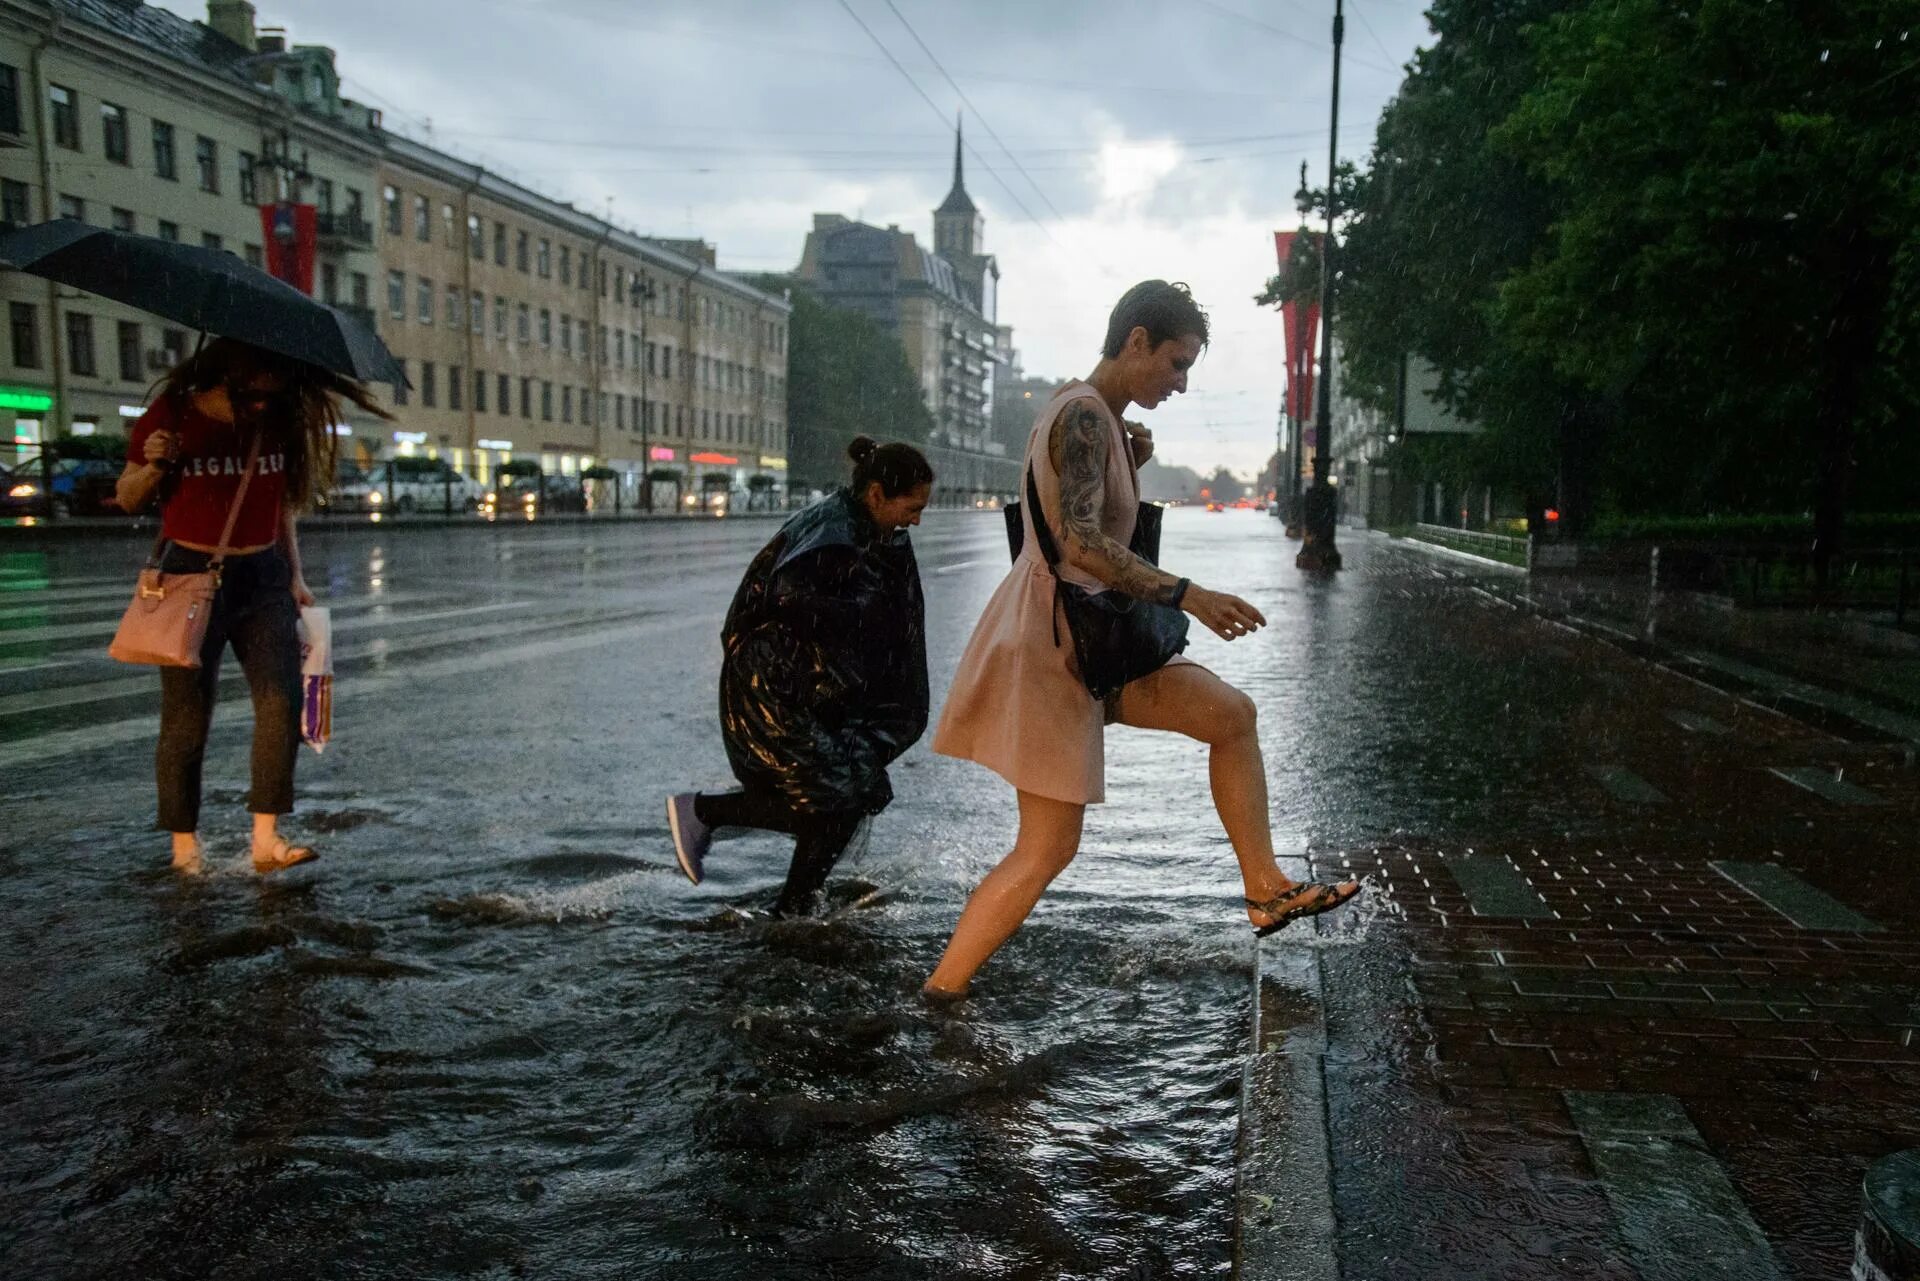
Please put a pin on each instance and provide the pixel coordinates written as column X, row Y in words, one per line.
column 376, row 497
column 23, row 491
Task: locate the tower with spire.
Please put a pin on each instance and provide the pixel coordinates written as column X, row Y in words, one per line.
column 958, row 229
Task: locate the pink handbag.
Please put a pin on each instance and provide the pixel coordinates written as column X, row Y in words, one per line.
column 167, row 621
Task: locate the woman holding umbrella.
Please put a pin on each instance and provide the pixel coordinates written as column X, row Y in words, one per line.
column 824, row 679
column 230, row 413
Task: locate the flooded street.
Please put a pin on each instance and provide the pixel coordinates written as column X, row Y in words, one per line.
column 494, row 1032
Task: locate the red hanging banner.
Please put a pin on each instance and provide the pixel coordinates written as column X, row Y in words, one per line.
column 1302, row 324
column 291, row 235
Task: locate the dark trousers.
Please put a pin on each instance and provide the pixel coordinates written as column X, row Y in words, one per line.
column 819, row 839
column 255, row 613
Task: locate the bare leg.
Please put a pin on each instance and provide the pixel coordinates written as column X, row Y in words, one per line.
column 187, row 854
column 1191, row 700
column 1049, row 837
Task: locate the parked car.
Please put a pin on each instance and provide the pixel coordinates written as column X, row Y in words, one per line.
column 404, row 485
column 523, row 493
column 80, row 487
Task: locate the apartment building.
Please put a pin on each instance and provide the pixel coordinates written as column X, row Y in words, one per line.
column 531, row 329
column 128, row 116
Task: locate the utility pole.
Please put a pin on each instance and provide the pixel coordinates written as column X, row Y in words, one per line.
column 1317, row 550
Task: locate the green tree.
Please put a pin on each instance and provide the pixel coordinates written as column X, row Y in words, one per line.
column 1737, row 244
column 846, row 376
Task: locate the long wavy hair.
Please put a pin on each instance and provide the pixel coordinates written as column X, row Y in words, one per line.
column 311, row 403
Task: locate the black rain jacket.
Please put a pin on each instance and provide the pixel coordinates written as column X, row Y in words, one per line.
column 824, row 679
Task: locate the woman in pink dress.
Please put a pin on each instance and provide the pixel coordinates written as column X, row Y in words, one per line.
column 1018, row 705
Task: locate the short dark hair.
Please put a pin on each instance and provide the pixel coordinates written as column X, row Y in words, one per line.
column 899, row 467
column 1164, row 310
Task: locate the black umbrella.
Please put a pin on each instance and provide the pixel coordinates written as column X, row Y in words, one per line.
column 205, row 289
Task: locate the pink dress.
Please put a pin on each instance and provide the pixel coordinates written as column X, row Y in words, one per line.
column 1017, row 705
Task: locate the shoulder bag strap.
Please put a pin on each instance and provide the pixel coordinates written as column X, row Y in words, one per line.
column 233, row 513
column 1044, row 536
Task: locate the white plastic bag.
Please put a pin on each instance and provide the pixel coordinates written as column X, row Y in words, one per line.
column 316, row 675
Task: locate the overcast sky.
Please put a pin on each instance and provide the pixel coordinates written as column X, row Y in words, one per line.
column 1156, row 138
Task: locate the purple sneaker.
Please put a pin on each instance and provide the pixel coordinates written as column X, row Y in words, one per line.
column 691, row 837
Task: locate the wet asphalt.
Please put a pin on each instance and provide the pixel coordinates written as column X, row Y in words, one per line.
column 494, row 1033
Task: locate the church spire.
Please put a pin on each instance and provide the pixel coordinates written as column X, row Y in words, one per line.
column 957, row 201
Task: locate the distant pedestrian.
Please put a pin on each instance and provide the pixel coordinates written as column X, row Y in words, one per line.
column 824, row 679
column 225, row 405
column 1019, row 705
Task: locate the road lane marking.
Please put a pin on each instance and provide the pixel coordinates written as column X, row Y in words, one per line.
column 1677, row 1211
column 959, row 564
column 133, row 729
column 1803, row 904
column 1625, row 785
column 1823, row 784
column 1495, row 887
column 103, row 628
column 1695, row 723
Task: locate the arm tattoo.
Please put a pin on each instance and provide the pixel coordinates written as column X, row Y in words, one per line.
column 1080, row 447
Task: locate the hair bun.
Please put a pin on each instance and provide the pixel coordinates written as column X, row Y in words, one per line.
column 861, row 448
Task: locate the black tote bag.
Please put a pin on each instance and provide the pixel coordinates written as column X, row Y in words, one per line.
column 1116, row 638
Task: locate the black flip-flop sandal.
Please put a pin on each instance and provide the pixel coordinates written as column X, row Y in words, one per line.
column 1310, row 899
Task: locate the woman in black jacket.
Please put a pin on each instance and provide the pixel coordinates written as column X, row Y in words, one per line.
column 824, row 679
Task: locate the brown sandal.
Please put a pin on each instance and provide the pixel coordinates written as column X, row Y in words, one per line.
column 285, row 855
column 1309, row 899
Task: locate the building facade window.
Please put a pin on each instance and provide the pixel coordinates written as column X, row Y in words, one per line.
column 210, row 240
column 24, row 327
column 123, row 220
column 520, row 243
column 80, row 343
column 166, row 163
column 500, row 318
column 523, row 323
column 566, row 335
column 167, row 230
column 249, row 184
column 206, row 158
column 446, row 226
column 456, row 386
column 526, row 398
column 329, row 283
column 323, row 195
column 423, row 300
column 13, row 202
column 429, row 387
column 503, row 401
column 499, row 244
column 543, row 265
column 479, row 391
column 65, row 105
column 357, row 282
column 73, row 207
column 453, row 306
column 9, row 98
column 390, row 198
column 422, row 220
column 397, row 294
column 546, row 327
column 546, row 401
column 114, row 134
column 566, row 265
column 400, row 392
column 566, row 404
column 255, row 256
column 476, row 313
column 130, row 352
column 476, row 238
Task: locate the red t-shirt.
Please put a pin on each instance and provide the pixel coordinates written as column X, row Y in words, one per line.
column 206, row 476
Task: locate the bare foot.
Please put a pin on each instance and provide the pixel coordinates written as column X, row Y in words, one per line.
column 189, row 856
column 941, row 996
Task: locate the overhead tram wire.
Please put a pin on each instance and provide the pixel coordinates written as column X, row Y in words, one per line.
column 1297, row 38
column 968, row 103
column 1378, row 43
column 935, row 108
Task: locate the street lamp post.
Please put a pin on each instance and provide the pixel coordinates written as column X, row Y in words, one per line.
column 1317, row 550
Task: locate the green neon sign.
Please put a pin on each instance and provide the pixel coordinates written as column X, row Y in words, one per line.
column 21, row 398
